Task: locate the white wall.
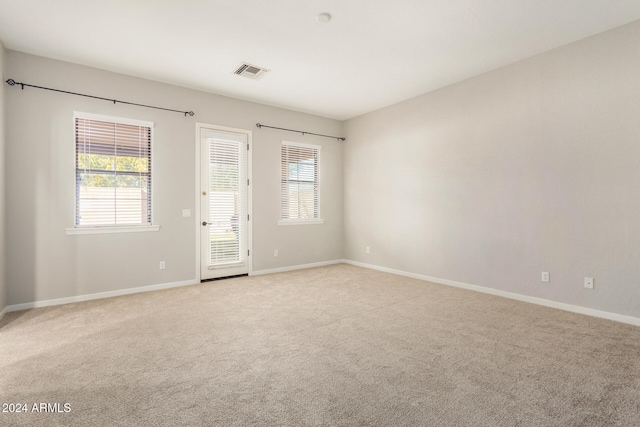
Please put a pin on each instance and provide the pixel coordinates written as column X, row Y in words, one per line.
column 533, row 167
column 44, row 263
column 3, row 283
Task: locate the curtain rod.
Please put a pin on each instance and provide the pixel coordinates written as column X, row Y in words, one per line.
column 339, row 138
column 12, row 82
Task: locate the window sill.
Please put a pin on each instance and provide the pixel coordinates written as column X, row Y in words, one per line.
column 110, row 230
column 300, row 221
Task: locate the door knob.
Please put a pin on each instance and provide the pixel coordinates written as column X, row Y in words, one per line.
column 205, row 223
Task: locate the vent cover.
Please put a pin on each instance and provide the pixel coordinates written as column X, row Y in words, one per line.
column 250, row 71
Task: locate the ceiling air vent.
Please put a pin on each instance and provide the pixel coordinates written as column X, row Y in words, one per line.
column 250, row 71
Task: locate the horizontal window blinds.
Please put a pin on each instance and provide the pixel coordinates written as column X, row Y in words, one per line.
column 113, row 173
column 227, row 195
column 299, row 183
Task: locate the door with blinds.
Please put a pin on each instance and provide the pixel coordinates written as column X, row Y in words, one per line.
column 224, row 219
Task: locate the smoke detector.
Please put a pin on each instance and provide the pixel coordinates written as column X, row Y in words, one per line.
column 250, row 71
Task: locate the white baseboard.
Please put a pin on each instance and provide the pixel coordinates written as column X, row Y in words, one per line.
column 534, row 300
column 297, row 267
column 99, row 295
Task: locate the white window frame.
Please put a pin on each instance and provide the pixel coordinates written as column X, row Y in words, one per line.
column 108, row 229
column 301, row 221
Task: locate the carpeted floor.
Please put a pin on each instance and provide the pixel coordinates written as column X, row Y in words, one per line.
column 331, row 346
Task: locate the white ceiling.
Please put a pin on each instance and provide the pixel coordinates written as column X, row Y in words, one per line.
column 372, row 54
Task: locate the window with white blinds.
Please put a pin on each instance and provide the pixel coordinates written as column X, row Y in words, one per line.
column 113, row 172
column 300, row 187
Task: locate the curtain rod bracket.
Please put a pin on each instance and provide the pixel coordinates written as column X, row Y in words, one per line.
column 12, row 82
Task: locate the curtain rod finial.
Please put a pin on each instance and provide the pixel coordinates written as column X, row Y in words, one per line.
column 11, row 82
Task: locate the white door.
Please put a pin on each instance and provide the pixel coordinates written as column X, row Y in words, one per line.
column 224, row 245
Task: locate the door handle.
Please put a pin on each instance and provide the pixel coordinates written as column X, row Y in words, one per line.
column 205, row 223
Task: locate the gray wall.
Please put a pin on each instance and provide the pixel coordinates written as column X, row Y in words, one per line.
column 44, row 263
column 530, row 168
column 3, row 282
column 533, row 167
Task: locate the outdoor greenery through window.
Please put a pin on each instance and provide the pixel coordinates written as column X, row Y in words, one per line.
column 113, row 172
column 299, row 184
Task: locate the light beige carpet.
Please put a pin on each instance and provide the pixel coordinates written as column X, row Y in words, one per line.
column 331, row 346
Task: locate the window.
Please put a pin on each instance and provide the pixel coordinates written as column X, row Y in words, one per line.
column 113, row 172
column 299, row 183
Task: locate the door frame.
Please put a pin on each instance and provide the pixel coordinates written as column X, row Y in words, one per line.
column 198, row 220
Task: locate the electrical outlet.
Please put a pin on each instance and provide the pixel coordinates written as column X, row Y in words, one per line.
column 367, row 250
column 186, row 213
column 545, row 276
column 275, row 252
column 162, row 265
column 588, row 282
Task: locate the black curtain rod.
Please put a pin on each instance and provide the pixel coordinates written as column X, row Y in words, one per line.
column 339, row 138
column 12, row 82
